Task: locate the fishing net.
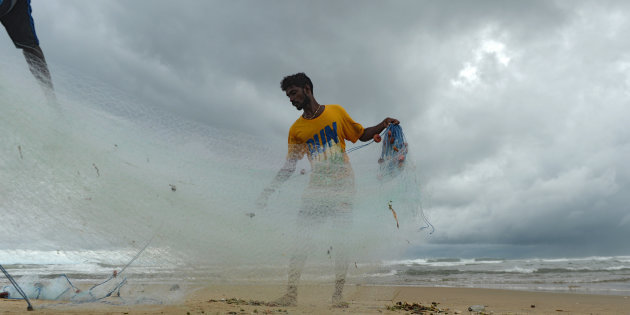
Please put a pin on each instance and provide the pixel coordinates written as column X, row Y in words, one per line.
column 393, row 154
column 61, row 288
column 88, row 182
column 395, row 189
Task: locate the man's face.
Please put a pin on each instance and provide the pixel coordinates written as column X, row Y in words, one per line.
column 298, row 97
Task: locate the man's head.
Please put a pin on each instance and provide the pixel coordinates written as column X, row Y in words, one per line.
column 299, row 89
column 298, row 80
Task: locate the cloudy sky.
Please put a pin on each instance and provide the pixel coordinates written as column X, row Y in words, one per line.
column 515, row 109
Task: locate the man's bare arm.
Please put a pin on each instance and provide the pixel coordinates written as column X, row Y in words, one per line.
column 368, row 133
column 285, row 173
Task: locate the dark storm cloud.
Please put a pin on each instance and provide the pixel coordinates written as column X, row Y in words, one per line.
column 530, row 153
column 196, row 56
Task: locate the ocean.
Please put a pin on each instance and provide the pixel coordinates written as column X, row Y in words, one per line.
column 586, row 275
column 591, row 275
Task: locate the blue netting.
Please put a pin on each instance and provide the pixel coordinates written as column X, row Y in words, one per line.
column 394, row 152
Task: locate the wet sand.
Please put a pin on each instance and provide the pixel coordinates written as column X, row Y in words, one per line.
column 315, row 299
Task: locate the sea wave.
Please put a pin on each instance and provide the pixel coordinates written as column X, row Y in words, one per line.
column 575, row 259
column 520, row 270
column 582, row 269
column 93, row 258
column 443, row 262
column 50, row 257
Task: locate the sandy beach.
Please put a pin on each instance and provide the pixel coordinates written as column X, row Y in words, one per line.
column 315, row 299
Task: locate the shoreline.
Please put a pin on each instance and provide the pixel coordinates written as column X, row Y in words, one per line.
column 361, row 299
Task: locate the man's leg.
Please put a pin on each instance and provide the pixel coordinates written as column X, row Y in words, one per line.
column 38, row 67
column 342, row 225
column 307, row 222
column 295, row 272
column 21, row 28
column 341, row 269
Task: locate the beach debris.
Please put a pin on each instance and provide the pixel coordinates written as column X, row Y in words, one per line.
column 416, row 308
column 250, row 214
column 20, row 150
column 239, row 302
column 98, row 173
column 476, row 308
column 394, row 213
column 174, row 287
column 173, row 187
column 533, row 306
column 302, row 171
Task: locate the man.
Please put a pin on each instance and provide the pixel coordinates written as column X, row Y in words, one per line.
column 17, row 20
column 320, row 134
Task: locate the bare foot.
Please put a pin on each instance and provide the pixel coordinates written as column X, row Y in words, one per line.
column 286, row 300
column 337, row 301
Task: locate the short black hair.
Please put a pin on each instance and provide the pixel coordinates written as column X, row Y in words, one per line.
column 298, row 80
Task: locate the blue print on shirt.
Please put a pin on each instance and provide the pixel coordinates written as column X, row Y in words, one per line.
column 327, row 136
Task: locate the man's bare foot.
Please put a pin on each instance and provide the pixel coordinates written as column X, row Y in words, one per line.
column 337, row 301
column 286, row 300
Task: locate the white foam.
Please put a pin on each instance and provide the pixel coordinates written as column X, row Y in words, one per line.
column 521, row 270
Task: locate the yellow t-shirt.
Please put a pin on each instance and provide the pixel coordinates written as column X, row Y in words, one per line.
column 322, row 139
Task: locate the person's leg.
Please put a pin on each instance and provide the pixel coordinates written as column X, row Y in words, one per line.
column 5, row 7
column 342, row 226
column 38, row 67
column 296, row 265
column 341, row 269
column 21, row 28
column 307, row 220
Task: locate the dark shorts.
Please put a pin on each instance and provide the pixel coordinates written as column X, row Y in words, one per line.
column 16, row 17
